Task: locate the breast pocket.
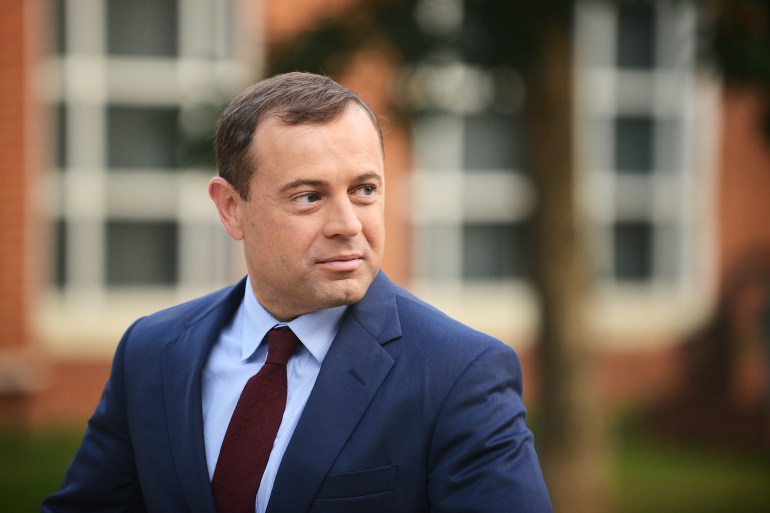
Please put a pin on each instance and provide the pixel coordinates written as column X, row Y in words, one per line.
column 360, row 483
column 371, row 490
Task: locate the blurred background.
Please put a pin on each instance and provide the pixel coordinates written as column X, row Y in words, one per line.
column 588, row 181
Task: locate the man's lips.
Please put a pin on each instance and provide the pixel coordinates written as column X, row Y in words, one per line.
column 347, row 262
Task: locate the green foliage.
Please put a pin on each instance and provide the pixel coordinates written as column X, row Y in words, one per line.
column 742, row 41
column 327, row 46
column 495, row 34
column 492, row 33
column 509, row 32
column 742, row 46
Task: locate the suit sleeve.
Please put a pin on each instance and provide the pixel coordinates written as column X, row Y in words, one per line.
column 482, row 457
column 102, row 476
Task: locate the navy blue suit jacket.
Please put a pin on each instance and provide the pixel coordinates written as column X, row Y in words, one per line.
column 412, row 412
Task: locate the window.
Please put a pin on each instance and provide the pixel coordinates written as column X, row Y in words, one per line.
column 633, row 250
column 636, row 35
column 476, row 198
column 142, row 27
column 142, row 137
column 142, row 252
column 492, row 140
column 634, row 144
column 637, row 135
column 132, row 112
column 495, row 250
column 643, row 105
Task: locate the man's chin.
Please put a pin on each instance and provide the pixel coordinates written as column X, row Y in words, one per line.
column 345, row 292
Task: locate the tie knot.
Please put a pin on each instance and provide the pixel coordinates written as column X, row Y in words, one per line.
column 281, row 343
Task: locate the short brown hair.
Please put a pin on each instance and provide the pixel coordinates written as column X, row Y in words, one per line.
column 293, row 98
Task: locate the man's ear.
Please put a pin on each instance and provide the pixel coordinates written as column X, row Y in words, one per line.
column 228, row 203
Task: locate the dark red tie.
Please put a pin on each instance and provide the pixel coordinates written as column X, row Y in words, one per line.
column 252, row 429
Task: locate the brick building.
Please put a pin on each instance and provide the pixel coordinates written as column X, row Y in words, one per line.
column 105, row 161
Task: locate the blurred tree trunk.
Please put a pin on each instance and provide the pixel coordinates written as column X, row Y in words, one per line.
column 572, row 443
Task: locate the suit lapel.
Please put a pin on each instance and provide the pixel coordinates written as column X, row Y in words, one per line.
column 183, row 362
column 351, row 374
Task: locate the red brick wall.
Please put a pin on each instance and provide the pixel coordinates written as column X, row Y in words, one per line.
column 20, row 363
column 14, row 87
column 744, row 183
column 283, row 20
column 72, row 390
column 744, row 238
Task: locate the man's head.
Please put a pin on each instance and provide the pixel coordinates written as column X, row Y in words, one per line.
column 302, row 184
column 293, row 98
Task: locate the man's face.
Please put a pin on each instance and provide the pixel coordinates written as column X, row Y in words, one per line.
column 313, row 227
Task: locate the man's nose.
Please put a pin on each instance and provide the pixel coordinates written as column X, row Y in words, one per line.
column 342, row 219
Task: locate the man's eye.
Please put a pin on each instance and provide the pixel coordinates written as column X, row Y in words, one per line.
column 367, row 190
column 310, row 197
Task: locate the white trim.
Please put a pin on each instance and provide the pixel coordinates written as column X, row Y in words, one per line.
column 676, row 197
column 215, row 60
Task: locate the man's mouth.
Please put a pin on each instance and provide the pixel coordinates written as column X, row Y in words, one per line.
column 343, row 262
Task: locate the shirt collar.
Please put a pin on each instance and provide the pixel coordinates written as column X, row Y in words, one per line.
column 316, row 330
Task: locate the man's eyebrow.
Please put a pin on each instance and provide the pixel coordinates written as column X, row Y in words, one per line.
column 308, row 182
column 303, row 182
column 371, row 175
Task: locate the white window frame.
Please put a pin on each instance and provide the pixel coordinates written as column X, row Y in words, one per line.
column 664, row 308
column 658, row 311
column 216, row 59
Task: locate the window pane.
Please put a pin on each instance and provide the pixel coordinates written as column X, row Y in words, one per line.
column 634, row 144
column 636, row 35
column 142, row 137
column 633, row 250
column 60, row 253
column 195, row 147
column 60, row 137
column 495, row 251
column 59, row 26
column 141, row 252
column 492, row 140
column 142, row 27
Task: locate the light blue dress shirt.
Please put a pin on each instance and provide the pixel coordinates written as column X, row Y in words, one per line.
column 239, row 354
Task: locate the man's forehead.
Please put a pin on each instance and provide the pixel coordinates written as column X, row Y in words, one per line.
column 295, row 155
column 274, row 125
column 282, row 117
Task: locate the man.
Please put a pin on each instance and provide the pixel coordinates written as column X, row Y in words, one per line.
column 384, row 403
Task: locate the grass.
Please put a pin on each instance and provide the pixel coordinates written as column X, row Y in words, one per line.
column 651, row 476
column 32, row 466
